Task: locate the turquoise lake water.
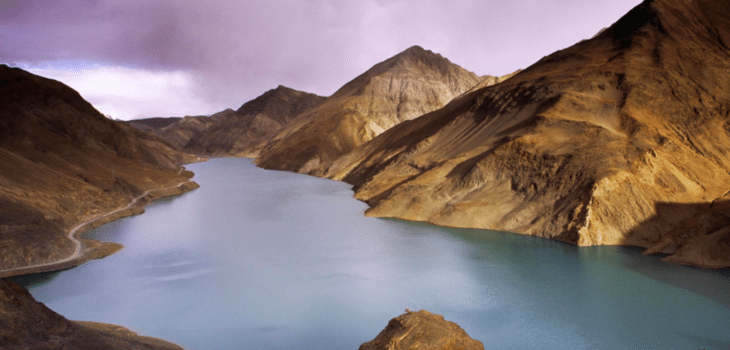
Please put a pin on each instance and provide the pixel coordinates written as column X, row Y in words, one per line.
column 258, row 259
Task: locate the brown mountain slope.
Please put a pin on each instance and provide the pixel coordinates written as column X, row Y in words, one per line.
column 403, row 87
column 621, row 139
column 240, row 133
column 63, row 163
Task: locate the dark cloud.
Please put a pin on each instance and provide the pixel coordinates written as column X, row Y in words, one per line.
column 236, row 50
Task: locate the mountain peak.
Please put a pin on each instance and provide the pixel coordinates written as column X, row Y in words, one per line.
column 413, row 63
column 280, row 94
column 639, row 17
column 407, row 85
column 418, row 53
column 283, row 88
column 699, row 20
column 415, row 50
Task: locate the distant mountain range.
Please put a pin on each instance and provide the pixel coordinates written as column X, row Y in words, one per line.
column 239, row 133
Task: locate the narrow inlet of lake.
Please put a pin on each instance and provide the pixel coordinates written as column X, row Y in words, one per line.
column 258, row 259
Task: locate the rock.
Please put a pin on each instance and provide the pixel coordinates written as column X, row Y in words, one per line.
column 28, row 324
column 400, row 88
column 622, row 139
column 422, row 330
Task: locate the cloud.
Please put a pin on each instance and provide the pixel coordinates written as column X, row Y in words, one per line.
column 235, row 50
column 128, row 93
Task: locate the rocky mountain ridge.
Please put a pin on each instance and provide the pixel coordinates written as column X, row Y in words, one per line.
column 622, row 139
column 239, row 133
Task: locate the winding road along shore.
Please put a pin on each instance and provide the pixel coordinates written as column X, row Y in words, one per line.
column 81, row 253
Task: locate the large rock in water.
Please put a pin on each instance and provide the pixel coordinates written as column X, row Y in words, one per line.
column 422, row 330
column 243, row 132
column 62, row 163
column 400, row 88
column 28, row 324
column 622, row 139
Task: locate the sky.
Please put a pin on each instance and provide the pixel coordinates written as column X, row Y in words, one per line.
column 163, row 58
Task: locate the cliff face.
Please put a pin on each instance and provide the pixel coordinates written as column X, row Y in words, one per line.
column 62, row 163
column 620, row 139
column 401, row 88
column 422, row 330
column 240, row 133
column 28, row 324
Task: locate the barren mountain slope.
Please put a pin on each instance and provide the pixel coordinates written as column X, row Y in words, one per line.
column 403, row 87
column 62, row 163
column 240, row 133
column 621, row 139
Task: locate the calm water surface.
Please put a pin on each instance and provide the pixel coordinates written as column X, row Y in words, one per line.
column 258, row 259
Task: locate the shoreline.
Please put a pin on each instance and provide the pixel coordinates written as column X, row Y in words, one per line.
column 645, row 249
column 87, row 249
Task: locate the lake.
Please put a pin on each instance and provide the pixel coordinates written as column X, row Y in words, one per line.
column 258, row 259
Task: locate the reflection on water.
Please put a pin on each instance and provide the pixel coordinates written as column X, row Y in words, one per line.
column 270, row 260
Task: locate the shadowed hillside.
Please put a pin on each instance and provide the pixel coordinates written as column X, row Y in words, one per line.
column 63, row 163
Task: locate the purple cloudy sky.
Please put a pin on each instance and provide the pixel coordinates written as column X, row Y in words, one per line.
column 144, row 58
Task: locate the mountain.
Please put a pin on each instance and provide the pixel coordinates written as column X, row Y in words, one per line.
column 152, row 124
column 622, row 139
column 240, row 133
column 400, row 88
column 63, row 163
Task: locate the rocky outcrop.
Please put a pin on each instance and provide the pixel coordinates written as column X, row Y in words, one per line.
column 622, row 139
column 28, row 324
column 239, row 133
column 63, row 163
column 422, row 330
column 401, row 88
